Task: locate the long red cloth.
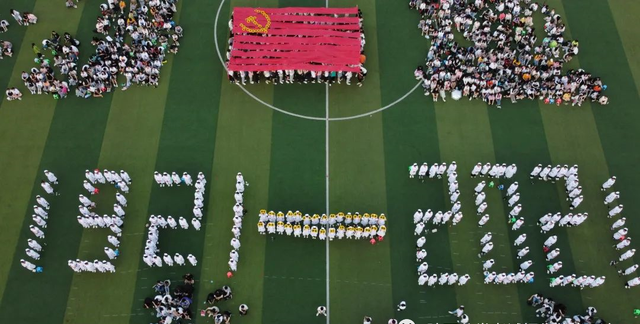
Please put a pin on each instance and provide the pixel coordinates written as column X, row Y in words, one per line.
column 295, row 39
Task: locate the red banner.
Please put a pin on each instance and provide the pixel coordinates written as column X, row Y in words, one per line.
column 317, row 39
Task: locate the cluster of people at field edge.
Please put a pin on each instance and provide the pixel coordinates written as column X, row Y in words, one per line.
column 152, row 33
column 298, row 76
column 64, row 57
column 218, row 296
column 555, row 313
column 6, row 48
column 491, row 68
column 238, row 215
column 172, row 306
column 151, row 255
column 40, row 218
column 340, row 226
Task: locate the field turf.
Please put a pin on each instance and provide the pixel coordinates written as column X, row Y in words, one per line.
column 197, row 121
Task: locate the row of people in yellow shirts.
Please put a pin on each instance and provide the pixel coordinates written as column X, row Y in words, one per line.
column 306, row 231
column 333, row 219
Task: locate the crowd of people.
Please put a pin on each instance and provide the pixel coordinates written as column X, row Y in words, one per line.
column 238, row 215
column 555, row 313
column 151, row 255
column 298, row 76
column 172, row 304
column 150, row 33
column 335, row 226
column 56, row 72
column 40, row 217
column 219, row 296
column 503, row 61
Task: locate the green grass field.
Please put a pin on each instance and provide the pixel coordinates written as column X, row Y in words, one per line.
column 197, row 121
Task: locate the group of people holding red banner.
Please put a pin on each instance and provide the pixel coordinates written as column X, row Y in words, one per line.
column 503, row 61
column 296, row 45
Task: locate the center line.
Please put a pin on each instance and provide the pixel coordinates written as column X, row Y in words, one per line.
column 326, row 100
column 327, row 186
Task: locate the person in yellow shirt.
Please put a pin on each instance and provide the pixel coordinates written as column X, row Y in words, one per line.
column 382, row 219
column 332, row 233
column 305, row 231
column 357, row 218
column 297, row 230
column 314, row 232
column 261, row 228
column 340, row 217
column 358, row 233
column 365, row 219
column 289, row 217
column 315, row 220
column 348, row 219
column 367, row 232
column 280, row 228
column 323, row 234
column 374, row 219
column 271, row 228
column 350, row 232
column 272, row 216
column 341, row 232
column 382, row 231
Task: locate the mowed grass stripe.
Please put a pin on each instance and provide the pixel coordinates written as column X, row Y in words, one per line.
column 186, row 145
column 624, row 17
column 15, row 35
column 525, row 144
column 359, row 273
column 242, row 139
column 296, row 182
column 586, row 148
column 621, row 120
column 465, row 136
column 24, row 127
column 130, row 144
column 617, row 125
column 410, row 135
column 71, row 146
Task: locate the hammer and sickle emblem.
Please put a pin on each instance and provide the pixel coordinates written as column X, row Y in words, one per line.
column 254, row 20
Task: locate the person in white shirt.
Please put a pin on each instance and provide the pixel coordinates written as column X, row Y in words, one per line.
column 192, row 259
column 51, row 177
column 422, row 172
column 483, row 220
column 43, row 202
column 413, row 169
column 476, row 170
column 179, row 259
column 628, row 270
column 609, row 183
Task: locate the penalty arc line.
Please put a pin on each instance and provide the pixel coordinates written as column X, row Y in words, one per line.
column 215, row 39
